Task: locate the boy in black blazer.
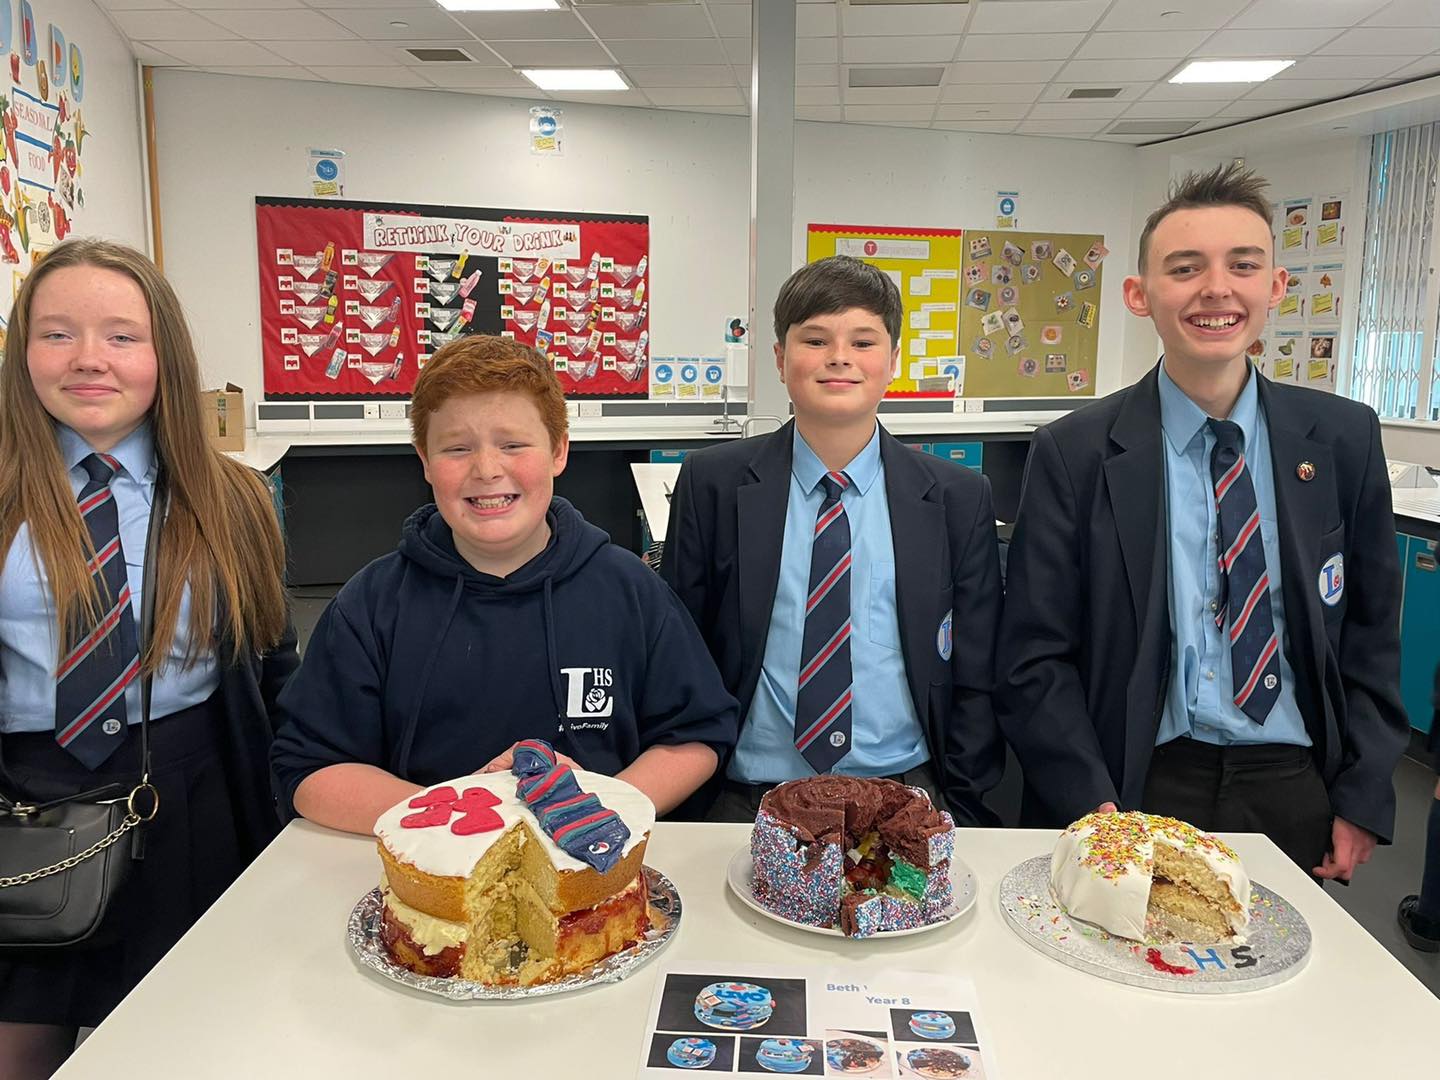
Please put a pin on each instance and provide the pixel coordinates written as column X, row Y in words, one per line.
column 848, row 587
column 1203, row 590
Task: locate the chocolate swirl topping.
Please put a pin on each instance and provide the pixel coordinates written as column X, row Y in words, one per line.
column 842, row 809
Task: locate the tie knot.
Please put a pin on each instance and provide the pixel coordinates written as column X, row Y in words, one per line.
column 835, row 483
column 1228, row 435
column 100, row 468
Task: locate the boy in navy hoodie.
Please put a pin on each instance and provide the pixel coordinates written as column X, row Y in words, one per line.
column 503, row 615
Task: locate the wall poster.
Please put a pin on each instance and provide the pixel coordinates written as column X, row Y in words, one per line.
column 356, row 296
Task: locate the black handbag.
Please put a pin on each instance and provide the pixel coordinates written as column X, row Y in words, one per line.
column 64, row 861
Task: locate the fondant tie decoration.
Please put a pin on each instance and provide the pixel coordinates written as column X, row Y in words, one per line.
column 574, row 819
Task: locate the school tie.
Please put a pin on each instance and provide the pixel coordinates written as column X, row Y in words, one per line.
column 90, row 682
column 823, row 700
column 1244, row 581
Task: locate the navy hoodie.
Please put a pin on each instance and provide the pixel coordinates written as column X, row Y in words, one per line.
column 428, row 668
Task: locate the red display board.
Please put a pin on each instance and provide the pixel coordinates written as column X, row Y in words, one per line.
column 355, row 297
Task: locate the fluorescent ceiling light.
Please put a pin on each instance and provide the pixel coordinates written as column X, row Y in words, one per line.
column 1230, row 71
column 575, row 78
column 500, row 5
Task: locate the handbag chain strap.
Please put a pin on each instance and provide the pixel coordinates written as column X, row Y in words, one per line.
column 133, row 817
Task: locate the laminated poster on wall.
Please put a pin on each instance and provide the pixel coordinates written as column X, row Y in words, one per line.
column 356, row 297
column 547, row 131
column 687, row 378
column 759, row 1020
column 1283, row 354
column 1326, row 287
column 1330, row 227
column 1291, row 309
column 1293, row 227
column 325, row 173
column 1321, row 355
column 925, row 266
column 42, row 155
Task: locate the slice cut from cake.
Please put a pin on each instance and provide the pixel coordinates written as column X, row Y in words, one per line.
column 1150, row 878
column 475, row 887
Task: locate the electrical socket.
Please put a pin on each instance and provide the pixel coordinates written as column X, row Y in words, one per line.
column 589, row 408
column 572, row 409
column 974, row 405
column 372, row 410
column 392, row 410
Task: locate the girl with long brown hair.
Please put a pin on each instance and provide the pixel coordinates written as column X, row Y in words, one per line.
column 101, row 427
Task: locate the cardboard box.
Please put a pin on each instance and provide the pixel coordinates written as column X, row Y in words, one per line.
column 224, row 413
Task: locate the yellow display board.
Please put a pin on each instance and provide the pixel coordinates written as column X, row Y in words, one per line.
column 925, row 265
column 1030, row 313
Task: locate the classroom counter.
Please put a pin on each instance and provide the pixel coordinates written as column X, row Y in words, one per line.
column 266, row 985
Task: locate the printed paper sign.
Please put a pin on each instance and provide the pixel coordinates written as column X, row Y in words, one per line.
column 397, row 232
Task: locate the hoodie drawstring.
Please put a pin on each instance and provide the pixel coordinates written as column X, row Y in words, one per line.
column 552, row 658
column 402, row 766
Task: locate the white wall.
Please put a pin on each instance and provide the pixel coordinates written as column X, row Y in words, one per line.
column 223, row 140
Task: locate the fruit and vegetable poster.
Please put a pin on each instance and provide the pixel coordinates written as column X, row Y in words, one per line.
column 1301, row 343
column 42, row 176
column 1030, row 313
column 355, row 297
column 892, row 1025
column 925, row 266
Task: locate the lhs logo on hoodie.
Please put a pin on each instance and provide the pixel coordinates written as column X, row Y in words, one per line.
column 588, row 694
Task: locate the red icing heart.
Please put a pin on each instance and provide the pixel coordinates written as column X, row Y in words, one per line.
column 441, row 796
column 481, row 819
column 476, row 798
column 434, row 815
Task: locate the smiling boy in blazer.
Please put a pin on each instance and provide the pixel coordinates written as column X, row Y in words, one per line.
column 1203, row 590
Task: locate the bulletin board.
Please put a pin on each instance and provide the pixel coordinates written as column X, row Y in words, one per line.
column 1301, row 341
column 355, row 297
column 925, row 265
column 1030, row 313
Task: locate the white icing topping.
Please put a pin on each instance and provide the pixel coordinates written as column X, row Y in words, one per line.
column 436, row 850
column 1116, row 898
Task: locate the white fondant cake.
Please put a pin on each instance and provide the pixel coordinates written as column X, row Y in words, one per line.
column 1146, row 877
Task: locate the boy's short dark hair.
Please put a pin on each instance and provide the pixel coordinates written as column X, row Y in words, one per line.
column 1224, row 185
column 833, row 285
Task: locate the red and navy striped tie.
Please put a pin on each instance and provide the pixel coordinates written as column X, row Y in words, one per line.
column 1244, row 602
column 823, row 701
column 90, row 681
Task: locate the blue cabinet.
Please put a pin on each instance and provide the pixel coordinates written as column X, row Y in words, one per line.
column 1419, row 628
column 969, row 454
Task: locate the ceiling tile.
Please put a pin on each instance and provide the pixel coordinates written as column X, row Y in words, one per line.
column 646, row 75
column 673, row 51
column 1407, row 13
column 1100, row 71
column 1123, row 46
column 284, row 25
column 1374, row 42
column 370, row 76
column 1166, row 91
column 1029, row 71
column 823, row 113
column 1277, row 43
column 473, row 77
column 1060, row 90
column 147, row 54
column 1150, row 15
column 525, row 26
column 679, row 97
column 1077, row 110
column 169, row 26
column 1344, row 67
column 647, row 21
column 532, row 94
column 817, row 95
column 995, row 127
column 602, row 97
column 1056, row 16
column 224, row 53
column 419, row 25
column 482, row 56
column 733, row 20
column 1062, row 127
column 887, row 114
column 899, row 50
column 554, row 53
column 892, row 95
column 284, row 71
column 1310, row 89
column 737, row 110
column 1429, row 65
column 815, row 51
column 815, row 20
column 128, row 5
column 815, row 74
column 994, row 111
column 359, row 3
column 332, row 54
column 1283, row 14
column 979, row 93
column 1250, row 108
column 1177, row 110
column 1018, row 46
column 914, row 19
column 203, row 5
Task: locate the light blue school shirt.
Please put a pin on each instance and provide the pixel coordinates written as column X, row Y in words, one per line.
column 1200, row 699
column 885, row 735
column 28, row 641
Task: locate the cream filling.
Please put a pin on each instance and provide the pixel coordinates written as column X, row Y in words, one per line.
column 433, row 935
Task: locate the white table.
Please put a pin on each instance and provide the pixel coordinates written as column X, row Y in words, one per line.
column 265, row 986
